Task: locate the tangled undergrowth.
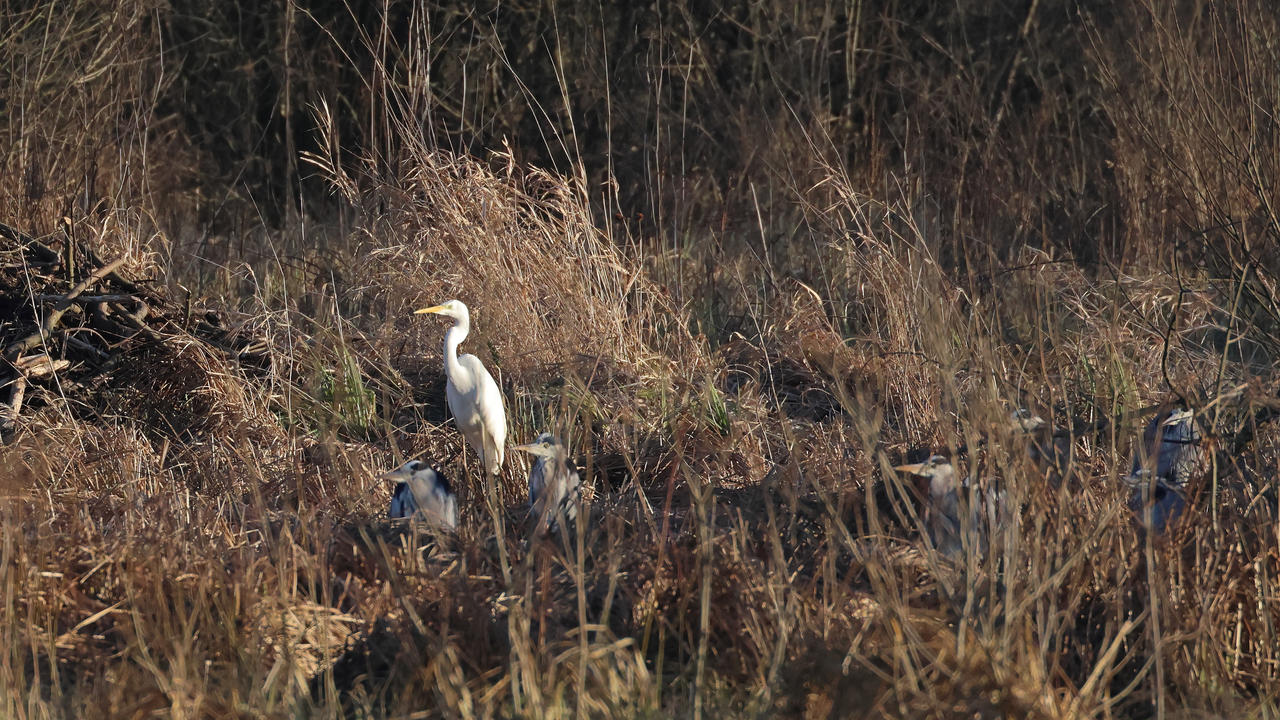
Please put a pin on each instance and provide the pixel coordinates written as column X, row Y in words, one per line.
column 740, row 333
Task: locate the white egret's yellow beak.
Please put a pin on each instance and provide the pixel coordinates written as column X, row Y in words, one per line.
column 913, row 469
column 433, row 309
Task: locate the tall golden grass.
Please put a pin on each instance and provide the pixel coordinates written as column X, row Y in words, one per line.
column 745, row 259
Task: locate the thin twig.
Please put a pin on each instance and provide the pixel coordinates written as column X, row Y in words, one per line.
column 85, row 299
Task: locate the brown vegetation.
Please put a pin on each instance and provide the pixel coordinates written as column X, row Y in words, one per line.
column 746, row 259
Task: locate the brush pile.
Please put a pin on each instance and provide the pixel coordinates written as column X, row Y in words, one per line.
column 76, row 325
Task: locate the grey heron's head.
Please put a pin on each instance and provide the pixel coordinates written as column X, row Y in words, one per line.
column 1179, row 416
column 1137, row 477
column 1027, row 421
column 935, row 466
column 545, row 446
column 938, row 470
column 1169, row 450
column 453, row 309
column 416, row 469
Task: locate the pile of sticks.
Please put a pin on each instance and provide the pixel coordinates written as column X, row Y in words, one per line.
column 67, row 315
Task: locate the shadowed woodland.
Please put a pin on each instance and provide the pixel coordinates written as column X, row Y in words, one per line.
column 745, row 259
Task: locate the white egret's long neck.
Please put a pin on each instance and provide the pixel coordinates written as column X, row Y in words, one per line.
column 452, row 339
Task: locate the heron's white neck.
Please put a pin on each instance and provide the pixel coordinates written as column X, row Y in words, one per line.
column 452, row 339
column 943, row 480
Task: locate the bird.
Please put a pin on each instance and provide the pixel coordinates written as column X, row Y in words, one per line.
column 1163, row 463
column 424, row 492
column 1165, row 507
column 1049, row 450
column 474, row 398
column 554, row 486
column 942, row 512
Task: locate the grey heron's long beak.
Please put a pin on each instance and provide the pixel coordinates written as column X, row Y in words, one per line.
column 532, row 449
column 397, row 474
column 1029, row 424
column 433, row 309
column 913, row 469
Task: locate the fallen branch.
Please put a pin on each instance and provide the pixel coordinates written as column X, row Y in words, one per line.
column 15, row 403
column 115, row 319
column 83, row 346
column 115, row 277
column 84, row 299
column 27, row 367
column 55, row 315
column 47, row 254
column 39, row 365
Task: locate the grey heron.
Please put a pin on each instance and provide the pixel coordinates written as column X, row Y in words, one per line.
column 1049, row 450
column 474, row 398
column 423, row 492
column 1163, row 463
column 950, row 532
column 554, row 486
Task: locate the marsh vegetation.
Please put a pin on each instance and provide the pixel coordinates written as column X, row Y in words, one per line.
column 742, row 259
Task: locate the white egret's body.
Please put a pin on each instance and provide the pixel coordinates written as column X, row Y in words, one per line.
column 950, row 532
column 423, row 492
column 474, row 398
column 554, row 485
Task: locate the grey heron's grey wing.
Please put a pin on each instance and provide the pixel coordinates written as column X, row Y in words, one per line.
column 571, row 469
column 1179, row 451
column 979, row 502
column 402, row 502
column 944, row 515
column 446, row 506
column 426, row 493
column 1168, row 507
column 442, row 482
column 1062, row 459
column 1165, row 507
column 1142, row 455
column 999, row 514
column 574, row 483
column 537, row 481
column 569, row 488
column 1051, row 453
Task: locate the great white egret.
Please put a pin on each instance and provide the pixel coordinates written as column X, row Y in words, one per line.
column 948, row 531
column 1168, row 456
column 554, row 486
column 424, row 492
column 474, row 398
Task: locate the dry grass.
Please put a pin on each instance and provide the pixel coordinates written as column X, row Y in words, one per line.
column 744, row 259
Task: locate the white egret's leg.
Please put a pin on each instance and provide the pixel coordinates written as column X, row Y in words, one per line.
column 495, row 511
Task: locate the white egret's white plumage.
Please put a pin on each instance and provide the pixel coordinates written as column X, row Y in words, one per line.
column 424, row 492
column 1168, row 456
column 554, row 485
column 942, row 513
column 474, row 397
